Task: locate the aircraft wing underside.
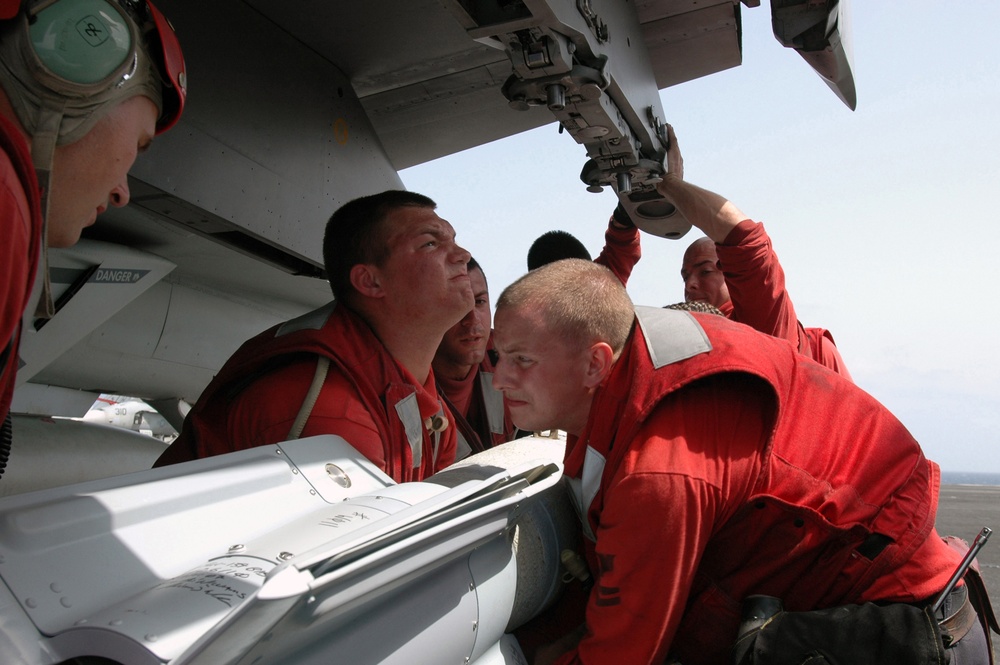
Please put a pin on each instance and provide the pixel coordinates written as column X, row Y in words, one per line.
column 297, row 107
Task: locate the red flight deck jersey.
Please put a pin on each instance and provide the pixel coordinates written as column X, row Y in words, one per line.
column 717, row 463
column 21, row 220
column 756, row 284
column 621, row 251
column 367, row 398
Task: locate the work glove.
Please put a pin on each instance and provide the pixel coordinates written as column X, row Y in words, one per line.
column 621, row 217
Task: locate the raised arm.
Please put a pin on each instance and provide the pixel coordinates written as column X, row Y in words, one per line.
column 714, row 214
column 622, row 249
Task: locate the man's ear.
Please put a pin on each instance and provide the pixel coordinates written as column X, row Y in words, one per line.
column 600, row 359
column 366, row 280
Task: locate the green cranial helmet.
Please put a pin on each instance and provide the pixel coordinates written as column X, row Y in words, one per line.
column 83, row 42
column 79, row 58
column 65, row 64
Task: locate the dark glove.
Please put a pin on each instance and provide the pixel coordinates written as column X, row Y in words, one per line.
column 621, row 217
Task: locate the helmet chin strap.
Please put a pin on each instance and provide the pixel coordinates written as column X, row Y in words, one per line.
column 43, row 147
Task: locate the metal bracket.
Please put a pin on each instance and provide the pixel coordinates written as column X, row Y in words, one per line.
column 585, row 61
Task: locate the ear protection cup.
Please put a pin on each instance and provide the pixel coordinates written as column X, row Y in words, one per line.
column 83, row 41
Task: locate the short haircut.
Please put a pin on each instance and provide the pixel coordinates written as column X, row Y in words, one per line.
column 355, row 234
column 555, row 246
column 581, row 301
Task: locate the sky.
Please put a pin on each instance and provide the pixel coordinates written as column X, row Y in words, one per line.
column 884, row 218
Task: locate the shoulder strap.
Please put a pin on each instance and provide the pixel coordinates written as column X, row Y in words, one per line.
column 463, row 428
column 322, row 365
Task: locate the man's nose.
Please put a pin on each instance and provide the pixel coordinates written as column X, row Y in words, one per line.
column 460, row 254
column 501, row 379
column 470, row 320
column 119, row 196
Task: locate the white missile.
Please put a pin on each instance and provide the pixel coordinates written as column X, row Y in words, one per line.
column 296, row 553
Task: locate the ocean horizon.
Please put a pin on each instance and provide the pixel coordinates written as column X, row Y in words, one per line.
column 969, row 478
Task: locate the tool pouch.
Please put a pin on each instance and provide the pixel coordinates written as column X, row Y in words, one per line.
column 866, row 634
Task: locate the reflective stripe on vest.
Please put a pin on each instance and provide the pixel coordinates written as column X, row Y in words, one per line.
column 671, row 336
column 313, row 320
column 584, row 489
column 409, row 414
column 493, row 403
column 462, row 449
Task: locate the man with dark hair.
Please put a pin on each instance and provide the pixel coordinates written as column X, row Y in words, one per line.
column 354, row 235
column 712, row 464
column 554, row 246
column 463, row 370
column 620, row 253
column 359, row 367
column 76, row 108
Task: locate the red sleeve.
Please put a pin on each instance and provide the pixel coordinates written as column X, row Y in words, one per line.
column 825, row 352
column 264, row 412
column 689, row 468
column 16, row 261
column 15, row 229
column 757, row 283
column 621, row 251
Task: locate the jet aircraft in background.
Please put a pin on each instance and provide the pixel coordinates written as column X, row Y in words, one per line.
column 132, row 414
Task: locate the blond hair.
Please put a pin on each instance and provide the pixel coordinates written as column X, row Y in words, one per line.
column 581, row 301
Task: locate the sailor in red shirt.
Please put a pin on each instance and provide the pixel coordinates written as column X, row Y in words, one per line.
column 21, row 222
column 735, row 268
column 463, row 370
column 74, row 114
column 709, row 463
column 400, row 282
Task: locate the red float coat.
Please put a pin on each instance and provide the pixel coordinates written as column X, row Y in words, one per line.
column 621, row 251
column 367, row 398
column 484, row 421
column 20, row 216
column 718, row 463
column 757, row 288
